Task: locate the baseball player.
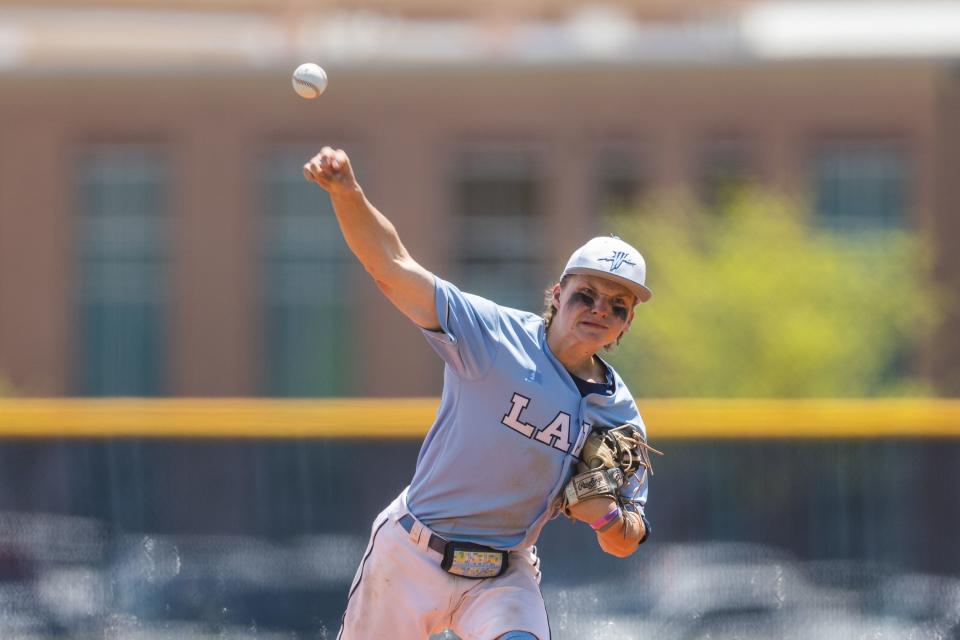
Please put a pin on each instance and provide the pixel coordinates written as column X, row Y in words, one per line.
column 521, row 394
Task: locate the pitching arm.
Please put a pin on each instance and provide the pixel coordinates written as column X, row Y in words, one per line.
column 374, row 240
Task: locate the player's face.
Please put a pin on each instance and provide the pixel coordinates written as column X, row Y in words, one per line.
column 593, row 309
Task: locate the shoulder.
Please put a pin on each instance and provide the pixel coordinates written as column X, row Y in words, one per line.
column 522, row 323
column 451, row 296
column 516, row 323
column 530, row 321
column 623, row 399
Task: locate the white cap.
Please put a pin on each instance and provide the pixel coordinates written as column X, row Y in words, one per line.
column 612, row 258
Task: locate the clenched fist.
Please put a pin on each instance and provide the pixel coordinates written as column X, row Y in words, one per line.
column 331, row 170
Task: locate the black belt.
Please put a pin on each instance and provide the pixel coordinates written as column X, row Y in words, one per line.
column 465, row 559
column 436, row 543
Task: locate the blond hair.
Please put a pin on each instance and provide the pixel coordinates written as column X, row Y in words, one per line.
column 549, row 310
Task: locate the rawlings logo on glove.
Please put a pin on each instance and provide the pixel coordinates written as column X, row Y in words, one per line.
column 597, row 481
column 608, row 458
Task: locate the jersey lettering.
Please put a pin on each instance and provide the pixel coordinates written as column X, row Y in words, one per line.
column 557, row 433
column 512, row 419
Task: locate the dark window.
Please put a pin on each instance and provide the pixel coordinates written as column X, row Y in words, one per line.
column 122, row 238
column 498, row 208
column 861, row 184
column 308, row 304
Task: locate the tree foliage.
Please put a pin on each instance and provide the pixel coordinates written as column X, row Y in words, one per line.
column 753, row 301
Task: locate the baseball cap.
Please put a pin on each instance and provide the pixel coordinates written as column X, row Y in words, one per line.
column 612, row 258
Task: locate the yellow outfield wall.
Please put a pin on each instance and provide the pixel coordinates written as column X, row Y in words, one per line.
column 411, row 417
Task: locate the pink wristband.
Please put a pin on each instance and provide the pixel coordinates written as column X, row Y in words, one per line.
column 611, row 515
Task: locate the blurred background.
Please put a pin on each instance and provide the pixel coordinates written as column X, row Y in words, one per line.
column 191, row 361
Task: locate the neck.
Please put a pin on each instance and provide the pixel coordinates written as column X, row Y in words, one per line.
column 575, row 356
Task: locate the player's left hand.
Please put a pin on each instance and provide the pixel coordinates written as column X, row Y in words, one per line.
column 609, row 457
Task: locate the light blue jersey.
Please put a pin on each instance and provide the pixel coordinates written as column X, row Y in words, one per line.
column 510, row 426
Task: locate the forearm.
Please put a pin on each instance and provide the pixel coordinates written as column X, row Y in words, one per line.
column 374, row 239
column 369, row 234
column 624, row 536
column 621, row 536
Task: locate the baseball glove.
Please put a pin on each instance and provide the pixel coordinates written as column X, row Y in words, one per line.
column 608, row 458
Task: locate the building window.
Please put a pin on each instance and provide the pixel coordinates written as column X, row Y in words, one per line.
column 726, row 166
column 620, row 180
column 497, row 201
column 307, row 267
column 861, row 184
column 122, row 238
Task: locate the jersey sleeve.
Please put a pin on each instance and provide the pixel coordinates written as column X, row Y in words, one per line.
column 469, row 334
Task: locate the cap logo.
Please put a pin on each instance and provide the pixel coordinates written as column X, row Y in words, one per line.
column 617, row 260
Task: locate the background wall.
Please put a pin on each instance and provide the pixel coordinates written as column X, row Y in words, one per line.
column 151, row 195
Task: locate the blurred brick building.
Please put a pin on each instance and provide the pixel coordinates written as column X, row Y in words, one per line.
column 156, row 236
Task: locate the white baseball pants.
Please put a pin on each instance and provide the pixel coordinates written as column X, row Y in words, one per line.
column 400, row 592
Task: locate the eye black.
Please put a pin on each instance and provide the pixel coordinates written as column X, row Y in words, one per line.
column 582, row 298
column 620, row 312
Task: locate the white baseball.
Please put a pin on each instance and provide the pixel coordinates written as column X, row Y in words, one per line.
column 309, row 80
